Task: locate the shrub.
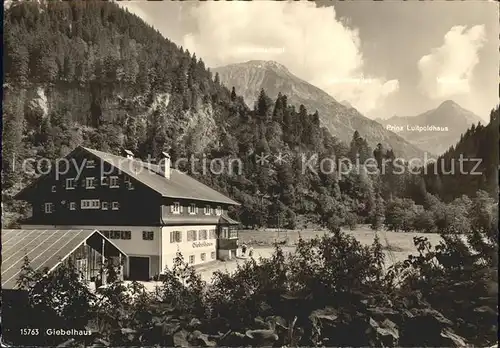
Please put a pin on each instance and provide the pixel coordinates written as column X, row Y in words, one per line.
column 351, row 220
column 377, row 215
column 56, row 300
column 183, row 288
column 424, row 222
column 332, row 291
column 459, row 279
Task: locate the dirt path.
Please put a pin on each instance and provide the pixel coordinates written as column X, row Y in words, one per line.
column 264, row 252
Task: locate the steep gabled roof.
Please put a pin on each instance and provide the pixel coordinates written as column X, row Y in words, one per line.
column 179, row 185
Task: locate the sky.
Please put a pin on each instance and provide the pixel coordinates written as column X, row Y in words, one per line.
column 384, row 58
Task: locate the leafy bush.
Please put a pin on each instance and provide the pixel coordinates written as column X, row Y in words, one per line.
column 183, row 288
column 56, row 300
column 424, row 222
column 377, row 215
column 400, row 214
column 332, row 291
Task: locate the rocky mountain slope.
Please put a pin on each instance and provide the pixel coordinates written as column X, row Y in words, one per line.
column 434, row 130
column 341, row 120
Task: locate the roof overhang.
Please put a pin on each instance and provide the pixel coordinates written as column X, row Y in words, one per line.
column 224, row 219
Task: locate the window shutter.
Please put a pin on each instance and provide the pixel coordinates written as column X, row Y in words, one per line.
column 180, row 208
column 172, row 208
column 196, row 210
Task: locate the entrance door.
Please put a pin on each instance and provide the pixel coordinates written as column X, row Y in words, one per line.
column 138, row 268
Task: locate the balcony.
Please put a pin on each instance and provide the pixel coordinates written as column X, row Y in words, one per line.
column 227, row 243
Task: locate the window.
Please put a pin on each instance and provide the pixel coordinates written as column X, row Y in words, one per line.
column 104, row 205
column 191, row 258
column 203, row 234
column 175, row 237
column 70, row 183
column 191, row 236
column 207, row 210
column 72, row 205
column 218, row 211
column 212, row 234
column 104, row 181
column 147, row 235
column 89, row 183
column 203, row 256
column 233, row 233
column 192, row 209
column 49, row 208
column 90, row 204
column 115, row 206
column 175, row 208
column 113, row 182
column 90, row 164
column 117, row 234
column 212, row 255
column 128, row 182
column 53, row 188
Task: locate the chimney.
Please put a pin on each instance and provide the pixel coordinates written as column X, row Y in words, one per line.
column 129, row 154
column 165, row 165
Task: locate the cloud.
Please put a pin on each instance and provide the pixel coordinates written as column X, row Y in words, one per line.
column 310, row 41
column 447, row 71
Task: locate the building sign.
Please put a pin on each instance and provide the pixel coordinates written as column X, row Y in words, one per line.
column 202, row 244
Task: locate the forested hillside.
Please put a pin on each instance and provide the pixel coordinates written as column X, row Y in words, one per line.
column 478, row 146
column 91, row 73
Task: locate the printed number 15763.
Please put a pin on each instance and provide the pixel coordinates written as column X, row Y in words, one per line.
column 30, row 332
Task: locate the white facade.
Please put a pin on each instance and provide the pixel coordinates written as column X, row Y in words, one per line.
column 188, row 248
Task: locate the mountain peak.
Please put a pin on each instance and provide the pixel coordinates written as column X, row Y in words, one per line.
column 449, row 120
column 267, row 64
column 250, row 77
column 448, row 104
